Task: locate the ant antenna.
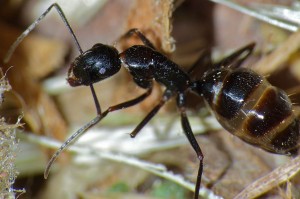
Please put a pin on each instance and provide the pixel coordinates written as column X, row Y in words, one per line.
column 34, row 24
column 76, row 135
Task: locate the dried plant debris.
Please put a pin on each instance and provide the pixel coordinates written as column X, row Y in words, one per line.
column 272, row 180
column 8, row 152
column 157, row 24
column 285, row 17
column 4, row 86
column 83, row 170
column 31, row 63
column 275, row 61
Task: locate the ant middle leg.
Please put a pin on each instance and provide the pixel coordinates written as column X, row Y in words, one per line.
column 92, row 123
column 166, row 96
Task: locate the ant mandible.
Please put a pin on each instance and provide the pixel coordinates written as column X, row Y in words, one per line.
column 243, row 102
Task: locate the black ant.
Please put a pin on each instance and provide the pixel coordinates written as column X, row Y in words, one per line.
column 244, row 102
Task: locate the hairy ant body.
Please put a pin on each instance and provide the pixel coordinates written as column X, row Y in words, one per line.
column 239, row 97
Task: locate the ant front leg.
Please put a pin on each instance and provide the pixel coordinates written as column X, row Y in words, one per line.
column 189, row 134
column 142, row 37
column 92, row 123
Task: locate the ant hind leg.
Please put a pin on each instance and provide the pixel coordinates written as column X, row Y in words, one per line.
column 236, row 59
column 190, row 136
column 166, row 96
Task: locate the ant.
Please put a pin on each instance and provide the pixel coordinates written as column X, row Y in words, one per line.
column 244, row 102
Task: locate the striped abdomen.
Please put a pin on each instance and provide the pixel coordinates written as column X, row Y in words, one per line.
column 248, row 106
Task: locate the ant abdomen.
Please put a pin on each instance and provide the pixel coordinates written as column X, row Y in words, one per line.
column 249, row 107
column 98, row 63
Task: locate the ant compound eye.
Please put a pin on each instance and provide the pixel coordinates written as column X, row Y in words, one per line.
column 98, row 63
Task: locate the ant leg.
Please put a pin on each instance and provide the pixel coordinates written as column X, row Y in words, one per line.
column 34, row 24
column 189, row 134
column 142, row 37
column 202, row 64
column 166, row 96
column 127, row 103
column 236, row 58
column 96, row 101
column 93, row 122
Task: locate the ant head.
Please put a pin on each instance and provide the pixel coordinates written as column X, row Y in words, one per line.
column 98, row 63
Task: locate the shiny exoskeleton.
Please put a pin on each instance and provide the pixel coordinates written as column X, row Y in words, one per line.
column 249, row 107
column 243, row 101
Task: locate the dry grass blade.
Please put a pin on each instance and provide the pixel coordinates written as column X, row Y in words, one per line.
column 259, row 13
column 275, row 60
column 87, row 150
column 272, row 180
column 8, row 151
